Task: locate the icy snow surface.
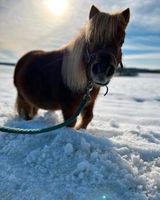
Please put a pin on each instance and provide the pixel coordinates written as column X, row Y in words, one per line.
column 117, row 158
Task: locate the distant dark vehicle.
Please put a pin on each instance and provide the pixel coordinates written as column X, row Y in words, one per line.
column 135, row 71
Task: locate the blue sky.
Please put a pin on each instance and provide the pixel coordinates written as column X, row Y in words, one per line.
column 29, row 24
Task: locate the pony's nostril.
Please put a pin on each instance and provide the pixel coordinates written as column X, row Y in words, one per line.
column 95, row 68
column 111, row 71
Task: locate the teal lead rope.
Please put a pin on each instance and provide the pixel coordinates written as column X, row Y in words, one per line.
column 58, row 126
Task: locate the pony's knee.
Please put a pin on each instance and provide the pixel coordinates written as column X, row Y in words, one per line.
column 88, row 117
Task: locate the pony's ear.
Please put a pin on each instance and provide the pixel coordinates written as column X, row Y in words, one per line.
column 93, row 11
column 126, row 15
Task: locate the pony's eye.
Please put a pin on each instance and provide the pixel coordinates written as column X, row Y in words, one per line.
column 121, row 42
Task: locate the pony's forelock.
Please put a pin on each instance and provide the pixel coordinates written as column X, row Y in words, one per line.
column 106, row 28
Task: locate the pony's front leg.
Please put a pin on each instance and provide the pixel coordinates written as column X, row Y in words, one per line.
column 87, row 113
column 86, row 116
column 68, row 111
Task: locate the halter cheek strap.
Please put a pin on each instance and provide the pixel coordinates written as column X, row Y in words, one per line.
column 89, row 55
column 119, row 58
column 88, row 59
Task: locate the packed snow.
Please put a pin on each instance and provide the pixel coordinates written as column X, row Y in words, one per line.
column 116, row 158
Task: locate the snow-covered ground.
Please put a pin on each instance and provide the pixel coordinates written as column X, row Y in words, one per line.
column 117, row 158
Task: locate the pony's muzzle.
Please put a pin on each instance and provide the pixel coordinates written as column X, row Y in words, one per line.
column 101, row 73
column 102, row 68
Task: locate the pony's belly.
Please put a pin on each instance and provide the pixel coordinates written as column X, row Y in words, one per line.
column 49, row 106
column 42, row 102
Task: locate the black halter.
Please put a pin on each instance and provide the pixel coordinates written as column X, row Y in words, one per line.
column 89, row 56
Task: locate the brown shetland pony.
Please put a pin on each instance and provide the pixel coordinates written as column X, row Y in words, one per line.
column 57, row 79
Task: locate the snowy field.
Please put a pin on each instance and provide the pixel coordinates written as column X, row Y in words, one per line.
column 117, row 158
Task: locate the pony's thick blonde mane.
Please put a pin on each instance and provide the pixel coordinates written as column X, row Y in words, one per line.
column 99, row 30
column 73, row 69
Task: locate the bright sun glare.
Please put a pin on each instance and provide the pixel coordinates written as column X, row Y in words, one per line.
column 57, row 7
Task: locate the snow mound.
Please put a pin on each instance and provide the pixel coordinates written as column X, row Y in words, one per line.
column 64, row 164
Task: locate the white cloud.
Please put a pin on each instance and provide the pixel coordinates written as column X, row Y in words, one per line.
column 143, row 56
column 141, row 47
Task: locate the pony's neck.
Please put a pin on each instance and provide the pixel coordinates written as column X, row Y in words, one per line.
column 74, row 69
